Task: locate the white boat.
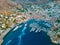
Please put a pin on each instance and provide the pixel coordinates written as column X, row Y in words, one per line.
column 16, row 28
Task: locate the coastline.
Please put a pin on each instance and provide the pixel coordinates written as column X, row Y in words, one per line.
column 8, row 30
column 4, row 34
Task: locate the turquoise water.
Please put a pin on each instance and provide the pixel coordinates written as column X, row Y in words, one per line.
column 23, row 36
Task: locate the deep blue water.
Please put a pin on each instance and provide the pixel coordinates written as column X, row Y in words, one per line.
column 23, row 36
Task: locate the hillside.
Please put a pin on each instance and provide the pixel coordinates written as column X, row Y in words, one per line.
column 7, row 6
